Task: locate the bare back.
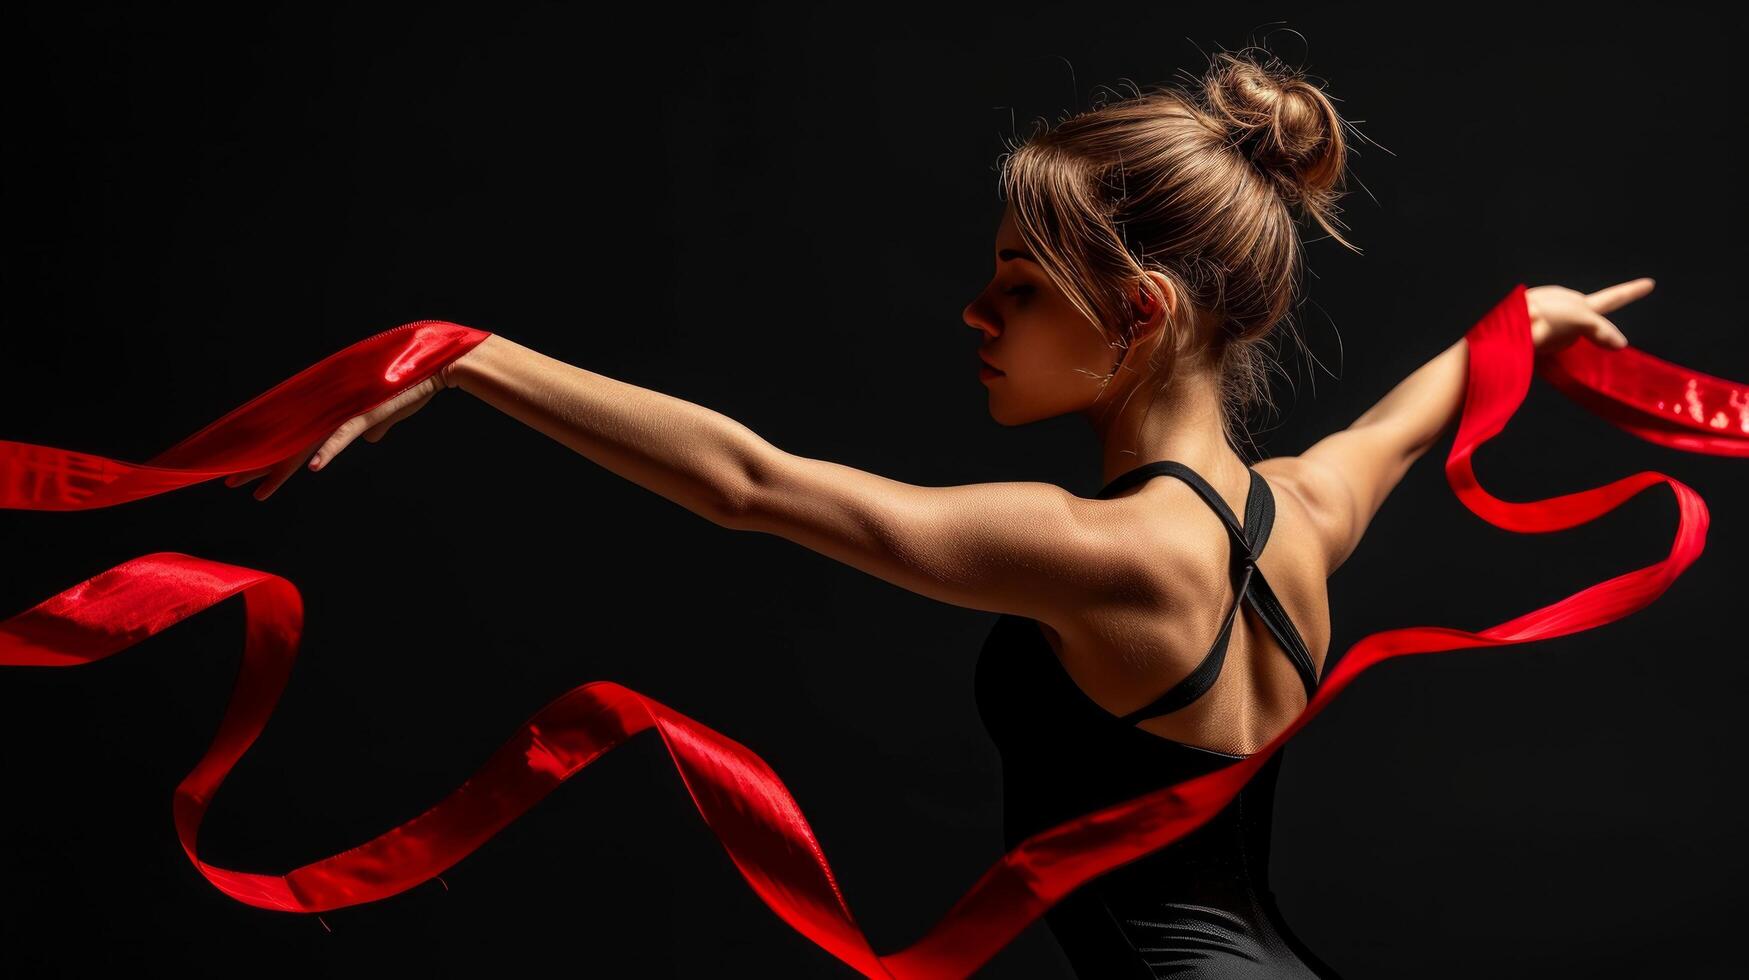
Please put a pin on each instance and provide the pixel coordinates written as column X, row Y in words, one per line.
column 1122, row 659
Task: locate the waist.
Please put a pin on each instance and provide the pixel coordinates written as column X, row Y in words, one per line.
column 1222, row 861
column 1125, row 930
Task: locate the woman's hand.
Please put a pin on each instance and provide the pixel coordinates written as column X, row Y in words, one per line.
column 372, row 425
column 1559, row 315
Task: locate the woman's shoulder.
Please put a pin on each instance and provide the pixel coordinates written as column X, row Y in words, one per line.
column 1292, row 484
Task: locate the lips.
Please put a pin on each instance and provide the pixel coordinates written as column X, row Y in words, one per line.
column 986, row 363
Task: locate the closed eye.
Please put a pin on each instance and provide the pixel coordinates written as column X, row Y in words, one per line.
column 1018, row 290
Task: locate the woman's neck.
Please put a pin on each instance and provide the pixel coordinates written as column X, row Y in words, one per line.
column 1183, row 422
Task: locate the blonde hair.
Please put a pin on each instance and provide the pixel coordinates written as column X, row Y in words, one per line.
column 1198, row 186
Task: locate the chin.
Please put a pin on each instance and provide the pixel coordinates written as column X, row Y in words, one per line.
column 1007, row 410
column 1007, row 416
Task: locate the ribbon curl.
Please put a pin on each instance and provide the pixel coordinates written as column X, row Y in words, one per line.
column 738, row 795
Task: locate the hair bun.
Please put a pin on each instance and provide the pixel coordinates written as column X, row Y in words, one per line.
column 1282, row 122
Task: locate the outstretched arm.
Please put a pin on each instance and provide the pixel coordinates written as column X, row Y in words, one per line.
column 1032, row 549
column 685, row 452
column 1346, row 476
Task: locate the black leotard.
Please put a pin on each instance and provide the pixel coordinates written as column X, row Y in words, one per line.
column 1200, row 907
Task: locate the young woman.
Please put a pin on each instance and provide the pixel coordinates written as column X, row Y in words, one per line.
column 1146, row 258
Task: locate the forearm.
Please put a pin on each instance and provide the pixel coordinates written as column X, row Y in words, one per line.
column 1420, row 408
column 696, row 457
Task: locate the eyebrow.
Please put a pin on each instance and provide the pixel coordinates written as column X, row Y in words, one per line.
column 1015, row 253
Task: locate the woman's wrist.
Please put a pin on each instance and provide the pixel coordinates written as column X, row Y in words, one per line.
column 1539, row 327
column 456, row 373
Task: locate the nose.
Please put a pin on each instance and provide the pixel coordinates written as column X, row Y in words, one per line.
column 974, row 317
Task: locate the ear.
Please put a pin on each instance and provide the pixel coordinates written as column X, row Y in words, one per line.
column 1150, row 314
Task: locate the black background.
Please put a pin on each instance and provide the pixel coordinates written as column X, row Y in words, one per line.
column 779, row 213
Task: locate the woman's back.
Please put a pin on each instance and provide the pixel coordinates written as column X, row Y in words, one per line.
column 1073, row 741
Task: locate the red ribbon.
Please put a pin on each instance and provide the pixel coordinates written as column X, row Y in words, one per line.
column 739, row 796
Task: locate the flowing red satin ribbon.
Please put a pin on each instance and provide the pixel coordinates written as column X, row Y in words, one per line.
column 740, row 798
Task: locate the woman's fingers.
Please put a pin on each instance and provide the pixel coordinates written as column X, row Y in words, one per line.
column 238, row 479
column 1606, row 333
column 382, row 428
column 1614, row 297
column 373, row 425
column 340, row 439
column 383, row 416
column 1620, row 294
column 281, row 472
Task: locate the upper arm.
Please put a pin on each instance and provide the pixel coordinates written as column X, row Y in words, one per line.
column 1344, row 479
column 1030, row 549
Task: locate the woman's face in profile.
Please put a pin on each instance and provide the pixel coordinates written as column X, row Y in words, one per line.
column 1052, row 359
